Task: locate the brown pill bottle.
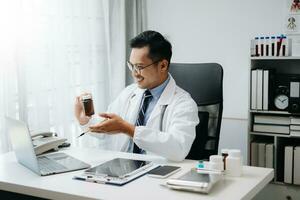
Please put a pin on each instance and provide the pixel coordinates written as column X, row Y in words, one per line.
column 88, row 105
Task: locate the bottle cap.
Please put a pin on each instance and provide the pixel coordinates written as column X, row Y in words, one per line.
column 262, row 37
column 85, row 97
column 225, row 151
column 234, row 153
column 215, row 158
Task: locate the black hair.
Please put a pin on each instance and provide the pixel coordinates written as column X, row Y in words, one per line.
column 159, row 47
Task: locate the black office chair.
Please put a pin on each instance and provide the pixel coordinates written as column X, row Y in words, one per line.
column 204, row 81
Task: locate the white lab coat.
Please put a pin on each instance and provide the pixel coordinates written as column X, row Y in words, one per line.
column 178, row 124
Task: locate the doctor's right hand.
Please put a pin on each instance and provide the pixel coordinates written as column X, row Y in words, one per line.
column 79, row 111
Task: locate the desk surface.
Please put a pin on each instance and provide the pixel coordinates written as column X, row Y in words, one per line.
column 16, row 178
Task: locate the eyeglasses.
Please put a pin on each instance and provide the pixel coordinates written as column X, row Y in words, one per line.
column 138, row 68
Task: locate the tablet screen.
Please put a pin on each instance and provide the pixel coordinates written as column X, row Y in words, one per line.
column 117, row 167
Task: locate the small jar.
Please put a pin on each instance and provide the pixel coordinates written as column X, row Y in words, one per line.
column 88, row 105
column 216, row 162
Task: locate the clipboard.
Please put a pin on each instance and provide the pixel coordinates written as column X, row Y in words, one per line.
column 118, row 171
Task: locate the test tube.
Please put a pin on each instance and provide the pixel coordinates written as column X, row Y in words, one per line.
column 262, row 41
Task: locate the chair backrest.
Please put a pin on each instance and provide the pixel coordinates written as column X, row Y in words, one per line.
column 204, row 81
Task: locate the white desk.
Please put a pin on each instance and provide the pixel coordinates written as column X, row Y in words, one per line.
column 16, row 178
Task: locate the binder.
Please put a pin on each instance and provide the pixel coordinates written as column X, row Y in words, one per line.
column 261, row 154
column 288, row 164
column 266, row 90
column 295, row 120
column 295, row 133
column 270, row 155
column 297, row 165
column 295, row 127
column 253, row 89
column 271, row 128
column 269, row 119
column 259, row 97
column 254, row 154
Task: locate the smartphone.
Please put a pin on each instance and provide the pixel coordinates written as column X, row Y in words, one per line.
column 163, row 171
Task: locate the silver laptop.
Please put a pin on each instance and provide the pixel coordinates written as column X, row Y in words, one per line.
column 45, row 164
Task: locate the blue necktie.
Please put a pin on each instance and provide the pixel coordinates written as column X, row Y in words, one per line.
column 141, row 117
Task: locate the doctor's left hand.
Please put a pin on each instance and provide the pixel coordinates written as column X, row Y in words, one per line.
column 113, row 124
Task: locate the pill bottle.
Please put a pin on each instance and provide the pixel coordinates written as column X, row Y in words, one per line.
column 234, row 163
column 88, row 105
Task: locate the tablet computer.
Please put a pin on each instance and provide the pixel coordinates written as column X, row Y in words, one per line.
column 118, row 171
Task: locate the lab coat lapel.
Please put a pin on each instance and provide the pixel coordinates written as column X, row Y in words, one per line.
column 165, row 99
column 134, row 104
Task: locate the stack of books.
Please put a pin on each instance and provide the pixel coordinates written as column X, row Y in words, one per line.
column 295, row 126
column 272, row 124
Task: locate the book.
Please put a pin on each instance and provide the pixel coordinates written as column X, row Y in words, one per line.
column 295, row 127
column 297, row 165
column 253, row 88
column 295, row 120
column 271, row 128
column 295, row 133
column 270, row 155
column 266, row 90
column 269, row 119
column 261, row 154
column 288, row 164
column 259, row 91
column 254, row 154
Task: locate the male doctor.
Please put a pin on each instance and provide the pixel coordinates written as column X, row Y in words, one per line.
column 153, row 115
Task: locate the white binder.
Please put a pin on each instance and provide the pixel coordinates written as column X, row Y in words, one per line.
column 259, row 97
column 288, row 164
column 253, row 89
column 270, row 155
column 266, row 90
column 297, row 165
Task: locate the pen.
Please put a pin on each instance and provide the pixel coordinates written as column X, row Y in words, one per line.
column 83, row 133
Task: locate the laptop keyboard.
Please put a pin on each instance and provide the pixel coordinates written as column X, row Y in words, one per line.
column 48, row 166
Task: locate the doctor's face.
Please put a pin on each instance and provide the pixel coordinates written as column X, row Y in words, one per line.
column 150, row 73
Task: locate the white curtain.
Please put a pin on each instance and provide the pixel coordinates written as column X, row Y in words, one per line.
column 53, row 50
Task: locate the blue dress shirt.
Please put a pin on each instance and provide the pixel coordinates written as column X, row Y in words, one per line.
column 156, row 93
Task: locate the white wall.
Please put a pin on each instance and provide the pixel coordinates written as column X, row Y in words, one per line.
column 218, row 31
